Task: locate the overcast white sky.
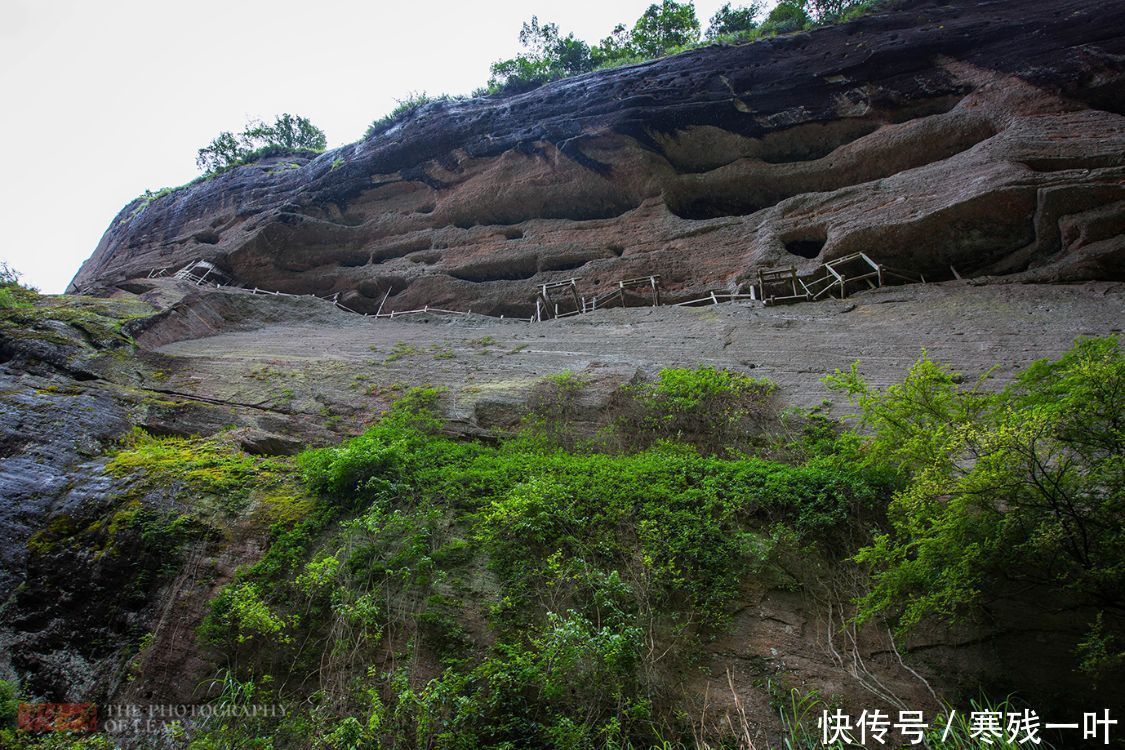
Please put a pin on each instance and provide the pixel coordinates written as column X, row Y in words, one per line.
column 102, row 100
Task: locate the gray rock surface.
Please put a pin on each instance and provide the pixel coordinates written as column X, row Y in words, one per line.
column 987, row 136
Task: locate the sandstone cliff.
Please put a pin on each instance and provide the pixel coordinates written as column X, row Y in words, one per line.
column 984, row 136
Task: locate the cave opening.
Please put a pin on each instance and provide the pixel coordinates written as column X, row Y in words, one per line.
column 711, row 207
column 805, row 248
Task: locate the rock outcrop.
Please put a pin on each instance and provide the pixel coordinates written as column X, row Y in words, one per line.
column 76, row 375
column 986, row 136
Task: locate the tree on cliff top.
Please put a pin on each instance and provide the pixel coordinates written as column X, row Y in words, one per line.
column 287, row 133
column 548, row 56
column 663, row 27
column 786, row 16
column 729, row 21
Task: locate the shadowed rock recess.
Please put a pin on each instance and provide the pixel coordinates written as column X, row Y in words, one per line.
column 985, row 136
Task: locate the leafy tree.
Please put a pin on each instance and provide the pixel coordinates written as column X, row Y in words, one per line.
column 8, row 275
column 834, row 11
column 1026, row 485
column 787, row 16
column 287, row 133
column 223, row 152
column 664, row 27
column 548, row 56
column 730, row 21
column 616, row 47
column 13, row 293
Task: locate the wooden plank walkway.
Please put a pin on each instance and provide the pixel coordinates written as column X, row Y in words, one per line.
column 775, row 286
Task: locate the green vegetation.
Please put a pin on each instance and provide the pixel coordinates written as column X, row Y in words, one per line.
column 204, row 468
column 484, row 342
column 596, row 562
column 1024, row 487
column 441, row 352
column 404, row 108
column 288, row 134
column 548, row 590
column 86, row 321
column 716, row 410
column 221, row 481
column 730, row 23
column 510, row 573
column 664, row 28
column 786, row 18
column 9, row 705
column 400, row 350
column 13, row 293
column 147, row 197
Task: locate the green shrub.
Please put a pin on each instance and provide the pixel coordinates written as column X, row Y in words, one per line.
column 8, row 300
column 9, row 704
column 588, row 552
column 288, row 134
column 728, row 22
column 664, row 27
column 239, row 614
column 1027, row 484
column 404, row 108
column 787, row 16
column 711, row 408
column 13, row 293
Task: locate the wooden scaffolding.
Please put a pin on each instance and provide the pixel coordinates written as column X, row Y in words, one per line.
column 834, row 278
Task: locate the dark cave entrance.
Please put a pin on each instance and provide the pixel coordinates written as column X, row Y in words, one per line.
column 806, row 248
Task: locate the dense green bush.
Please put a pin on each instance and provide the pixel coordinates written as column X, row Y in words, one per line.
column 534, row 585
column 13, row 293
column 1024, row 486
column 287, row 134
column 728, row 21
column 786, row 17
column 715, row 409
column 597, row 559
column 664, row 28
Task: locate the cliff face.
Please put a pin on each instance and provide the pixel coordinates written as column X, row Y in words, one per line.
column 986, row 136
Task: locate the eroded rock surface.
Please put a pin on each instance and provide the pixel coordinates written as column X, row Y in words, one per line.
column 289, row 372
column 987, row 136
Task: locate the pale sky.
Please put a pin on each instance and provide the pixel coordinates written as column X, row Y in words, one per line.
column 104, row 99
